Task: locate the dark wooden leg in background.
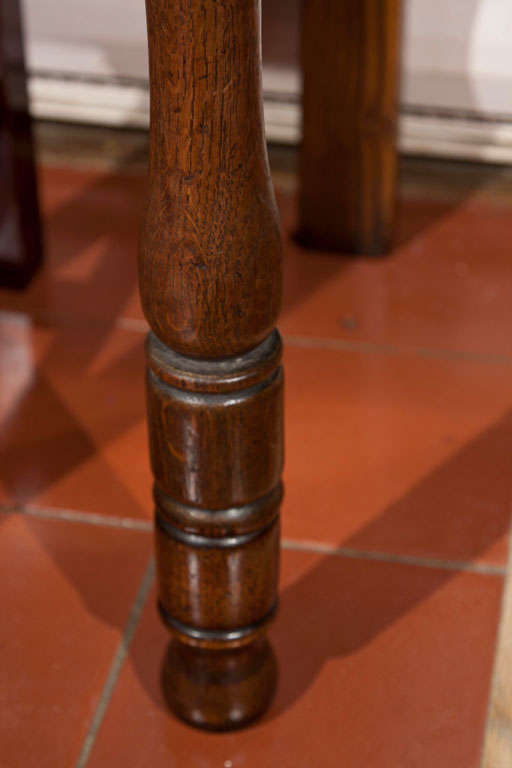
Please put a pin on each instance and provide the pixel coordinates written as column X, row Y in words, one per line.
column 210, row 283
column 20, row 238
column 350, row 61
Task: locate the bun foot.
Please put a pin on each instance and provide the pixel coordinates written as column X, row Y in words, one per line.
column 219, row 690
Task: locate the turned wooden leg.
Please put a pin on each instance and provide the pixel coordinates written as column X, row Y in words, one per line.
column 210, row 284
column 350, row 60
column 20, row 239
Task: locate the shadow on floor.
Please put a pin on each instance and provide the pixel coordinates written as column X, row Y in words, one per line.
column 339, row 605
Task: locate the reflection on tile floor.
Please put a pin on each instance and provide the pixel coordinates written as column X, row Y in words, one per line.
column 399, row 433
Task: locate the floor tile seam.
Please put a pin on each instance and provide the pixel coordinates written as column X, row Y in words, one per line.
column 77, row 516
column 137, row 325
column 117, row 664
column 435, row 563
column 368, row 347
column 299, row 545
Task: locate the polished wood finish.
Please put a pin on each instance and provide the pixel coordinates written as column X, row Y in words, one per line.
column 210, row 283
column 350, row 60
column 20, row 237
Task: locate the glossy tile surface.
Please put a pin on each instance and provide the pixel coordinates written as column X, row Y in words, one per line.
column 72, row 415
column 375, row 662
column 66, row 592
column 445, row 285
column 398, row 453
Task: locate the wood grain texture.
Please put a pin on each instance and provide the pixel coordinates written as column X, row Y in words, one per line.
column 348, row 167
column 20, row 232
column 210, row 282
column 210, row 270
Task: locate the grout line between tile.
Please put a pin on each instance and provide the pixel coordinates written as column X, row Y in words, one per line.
column 117, row 664
column 368, row 347
column 347, row 345
column 146, row 526
column 303, row 545
column 497, row 747
column 74, row 516
column 486, row 569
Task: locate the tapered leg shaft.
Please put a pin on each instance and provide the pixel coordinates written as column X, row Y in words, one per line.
column 210, row 282
column 350, row 61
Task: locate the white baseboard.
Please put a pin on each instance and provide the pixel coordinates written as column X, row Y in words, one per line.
column 126, row 104
column 89, row 101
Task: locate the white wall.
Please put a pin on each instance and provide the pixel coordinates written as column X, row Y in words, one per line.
column 458, row 53
column 87, row 37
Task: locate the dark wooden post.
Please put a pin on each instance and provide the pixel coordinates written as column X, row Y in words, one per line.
column 210, row 283
column 350, row 60
column 20, row 236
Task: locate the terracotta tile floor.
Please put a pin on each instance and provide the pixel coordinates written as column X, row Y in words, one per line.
column 67, row 591
column 374, row 672
column 395, row 523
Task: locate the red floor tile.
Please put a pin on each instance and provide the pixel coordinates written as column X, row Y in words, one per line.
column 445, row 285
column 381, row 665
column 398, row 454
column 66, row 591
column 72, row 414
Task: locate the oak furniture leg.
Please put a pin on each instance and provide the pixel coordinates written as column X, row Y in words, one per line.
column 210, row 284
column 20, row 234
column 348, row 167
